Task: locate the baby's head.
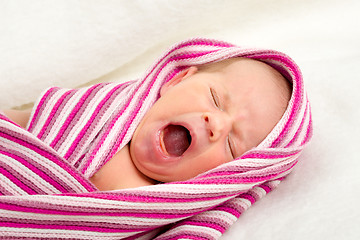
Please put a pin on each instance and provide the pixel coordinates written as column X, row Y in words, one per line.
column 209, row 115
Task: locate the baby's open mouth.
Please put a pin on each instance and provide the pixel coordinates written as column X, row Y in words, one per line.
column 176, row 139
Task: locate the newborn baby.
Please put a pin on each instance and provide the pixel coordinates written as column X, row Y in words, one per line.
column 219, row 125
column 206, row 115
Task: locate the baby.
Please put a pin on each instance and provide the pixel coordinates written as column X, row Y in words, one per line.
column 219, row 125
column 206, row 115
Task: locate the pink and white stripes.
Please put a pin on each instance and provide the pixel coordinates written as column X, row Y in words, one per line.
column 44, row 186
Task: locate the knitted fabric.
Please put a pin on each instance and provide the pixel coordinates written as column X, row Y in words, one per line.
column 44, row 170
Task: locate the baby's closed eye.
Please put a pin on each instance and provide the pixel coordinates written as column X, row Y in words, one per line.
column 215, row 98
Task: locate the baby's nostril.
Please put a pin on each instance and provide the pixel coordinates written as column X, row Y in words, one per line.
column 211, row 134
column 206, row 118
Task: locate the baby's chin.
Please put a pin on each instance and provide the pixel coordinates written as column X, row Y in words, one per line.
column 152, row 159
column 149, row 158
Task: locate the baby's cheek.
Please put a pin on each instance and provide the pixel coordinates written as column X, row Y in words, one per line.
column 215, row 159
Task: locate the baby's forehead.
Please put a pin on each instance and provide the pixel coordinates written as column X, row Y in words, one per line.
column 242, row 65
column 253, row 73
column 219, row 66
column 238, row 64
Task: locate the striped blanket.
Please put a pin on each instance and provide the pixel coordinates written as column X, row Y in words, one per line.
column 44, row 169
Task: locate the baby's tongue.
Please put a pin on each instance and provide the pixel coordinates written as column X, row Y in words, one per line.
column 176, row 139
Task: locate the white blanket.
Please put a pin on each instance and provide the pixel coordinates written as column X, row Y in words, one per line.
column 70, row 43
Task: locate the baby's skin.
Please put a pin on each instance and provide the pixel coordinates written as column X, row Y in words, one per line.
column 205, row 116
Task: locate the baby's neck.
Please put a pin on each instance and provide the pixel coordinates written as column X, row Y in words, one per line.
column 119, row 173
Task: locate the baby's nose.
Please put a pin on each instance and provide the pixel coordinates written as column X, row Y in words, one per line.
column 217, row 125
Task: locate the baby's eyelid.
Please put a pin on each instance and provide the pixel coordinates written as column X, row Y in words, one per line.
column 215, row 97
column 231, row 147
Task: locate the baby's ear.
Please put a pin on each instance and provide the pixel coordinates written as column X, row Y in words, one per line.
column 178, row 78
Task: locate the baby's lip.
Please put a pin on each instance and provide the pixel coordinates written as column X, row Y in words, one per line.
column 161, row 142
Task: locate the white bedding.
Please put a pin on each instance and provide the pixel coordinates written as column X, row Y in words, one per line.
column 70, row 43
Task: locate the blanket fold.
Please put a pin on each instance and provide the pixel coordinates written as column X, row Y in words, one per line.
column 73, row 132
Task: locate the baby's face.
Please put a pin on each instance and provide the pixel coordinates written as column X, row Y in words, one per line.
column 207, row 118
